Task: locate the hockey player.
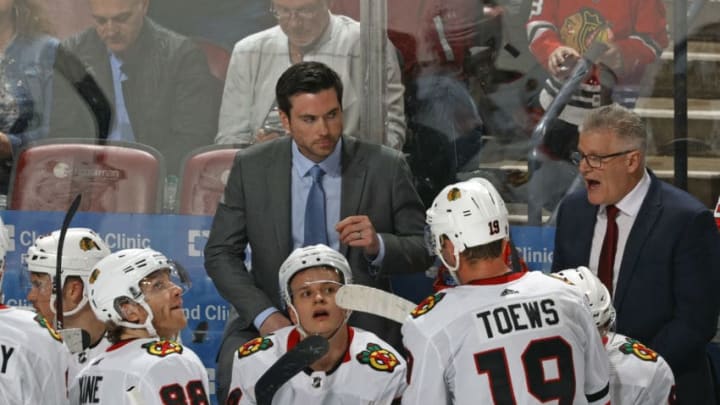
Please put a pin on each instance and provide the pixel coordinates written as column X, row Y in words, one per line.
column 33, row 359
column 498, row 337
column 638, row 375
column 135, row 293
column 82, row 249
column 359, row 368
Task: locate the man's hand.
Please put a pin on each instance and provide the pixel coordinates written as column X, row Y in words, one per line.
column 358, row 231
column 274, row 322
column 264, row 136
column 562, row 60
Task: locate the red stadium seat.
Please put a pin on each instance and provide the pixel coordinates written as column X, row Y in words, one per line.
column 204, row 175
column 218, row 57
column 112, row 177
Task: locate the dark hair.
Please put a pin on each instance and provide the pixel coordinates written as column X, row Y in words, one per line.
column 488, row 251
column 306, row 77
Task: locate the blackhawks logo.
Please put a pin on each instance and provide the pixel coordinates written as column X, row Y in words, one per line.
column 45, row 324
column 162, row 348
column 378, row 358
column 427, row 305
column 254, row 346
column 639, row 350
column 583, row 28
column 87, row 244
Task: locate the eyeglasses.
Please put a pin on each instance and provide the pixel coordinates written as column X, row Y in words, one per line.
column 305, row 13
column 596, row 161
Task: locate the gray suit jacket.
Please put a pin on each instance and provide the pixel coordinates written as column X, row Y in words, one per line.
column 256, row 209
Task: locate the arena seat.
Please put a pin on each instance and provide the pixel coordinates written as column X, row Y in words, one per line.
column 218, row 57
column 204, row 174
column 115, row 177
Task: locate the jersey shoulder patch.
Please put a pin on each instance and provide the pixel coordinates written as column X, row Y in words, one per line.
column 253, row 346
column 637, row 349
column 427, row 305
column 44, row 323
column 378, row 358
column 163, row 348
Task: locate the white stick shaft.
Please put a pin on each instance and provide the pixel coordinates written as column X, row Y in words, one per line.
column 374, row 301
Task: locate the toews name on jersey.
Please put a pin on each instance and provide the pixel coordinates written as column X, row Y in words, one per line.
column 518, row 316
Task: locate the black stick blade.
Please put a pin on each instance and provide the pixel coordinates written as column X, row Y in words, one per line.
column 308, row 351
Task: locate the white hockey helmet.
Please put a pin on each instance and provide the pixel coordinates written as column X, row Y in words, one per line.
column 597, row 294
column 116, row 280
column 470, row 213
column 82, row 249
column 311, row 256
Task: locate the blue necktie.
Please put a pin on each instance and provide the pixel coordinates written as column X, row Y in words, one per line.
column 315, row 230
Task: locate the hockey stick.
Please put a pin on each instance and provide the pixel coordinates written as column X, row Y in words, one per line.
column 374, row 301
column 75, row 339
column 286, row 367
column 577, row 75
column 58, row 269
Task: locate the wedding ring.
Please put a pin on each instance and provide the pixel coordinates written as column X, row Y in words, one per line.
column 359, row 235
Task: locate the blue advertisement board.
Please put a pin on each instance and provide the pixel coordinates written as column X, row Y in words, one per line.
column 182, row 238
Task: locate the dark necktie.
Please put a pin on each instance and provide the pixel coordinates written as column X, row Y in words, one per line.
column 609, row 247
column 315, row 230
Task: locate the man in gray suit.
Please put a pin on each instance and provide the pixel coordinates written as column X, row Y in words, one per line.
column 370, row 211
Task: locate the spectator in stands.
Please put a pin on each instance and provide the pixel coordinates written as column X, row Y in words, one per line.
column 306, row 31
column 27, row 54
column 159, row 83
column 223, row 22
column 560, row 31
column 659, row 257
column 364, row 205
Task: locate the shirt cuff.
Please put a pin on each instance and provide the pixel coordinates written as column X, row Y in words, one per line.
column 260, row 319
column 378, row 260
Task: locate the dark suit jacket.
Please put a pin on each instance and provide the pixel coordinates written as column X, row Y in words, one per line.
column 668, row 289
column 256, row 209
column 171, row 97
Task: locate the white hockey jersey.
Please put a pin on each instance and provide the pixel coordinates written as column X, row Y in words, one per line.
column 142, row 371
column 520, row 338
column 638, row 375
column 81, row 359
column 34, row 362
column 372, row 372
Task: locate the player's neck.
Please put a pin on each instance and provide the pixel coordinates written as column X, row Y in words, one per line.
column 481, row 269
column 338, row 348
column 130, row 333
column 87, row 321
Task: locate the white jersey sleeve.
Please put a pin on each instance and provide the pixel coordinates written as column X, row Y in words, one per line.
column 371, row 371
column 518, row 338
column 142, row 371
column 33, row 362
column 81, row 359
column 638, row 375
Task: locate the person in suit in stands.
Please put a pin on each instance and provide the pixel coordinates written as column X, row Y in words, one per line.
column 659, row 257
column 315, row 186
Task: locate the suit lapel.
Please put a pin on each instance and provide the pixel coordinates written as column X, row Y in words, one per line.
column 354, row 172
column 278, row 180
column 644, row 223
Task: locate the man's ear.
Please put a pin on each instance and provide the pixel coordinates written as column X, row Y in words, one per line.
column 293, row 316
column 73, row 290
column 133, row 312
column 634, row 161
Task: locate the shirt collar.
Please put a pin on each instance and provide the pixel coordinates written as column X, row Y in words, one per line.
column 331, row 164
column 631, row 203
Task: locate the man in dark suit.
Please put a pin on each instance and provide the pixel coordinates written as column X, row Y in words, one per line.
column 665, row 270
column 373, row 214
column 158, row 82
